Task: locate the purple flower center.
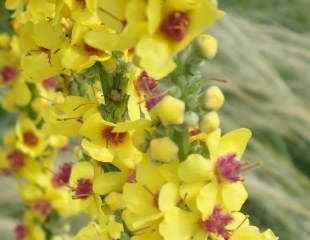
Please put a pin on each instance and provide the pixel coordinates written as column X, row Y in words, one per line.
column 217, row 222
column 62, row 176
column 132, row 178
column 145, row 83
column 8, row 73
column 175, row 25
column 50, row 83
column 43, row 207
column 114, row 138
column 20, row 232
column 30, row 138
column 228, row 168
column 17, row 159
column 84, row 188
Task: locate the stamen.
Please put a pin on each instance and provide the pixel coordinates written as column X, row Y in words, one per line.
column 84, row 189
column 217, row 222
column 175, row 25
column 114, row 138
column 228, row 168
column 62, row 177
column 145, row 83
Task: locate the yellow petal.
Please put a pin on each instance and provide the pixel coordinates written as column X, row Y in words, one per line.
column 148, row 174
column 138, row 200
column 213, row 141
column 233, row 195
column 132, row 125
column 81, row 170
column 46, row 35
column 234, row 142
column 97, row 152
column 154, row 11
column 21, row 92
column 269, row 235
column 206, row 199
column 246, row 233
column 195, row 169
column 108, row 182
column 149, row 49
column 178, row 224
column 168, row 197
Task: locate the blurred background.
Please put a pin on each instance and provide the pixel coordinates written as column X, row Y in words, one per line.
column 265, row 58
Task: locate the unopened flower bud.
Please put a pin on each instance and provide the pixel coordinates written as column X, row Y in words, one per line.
column 175, row 91
column 163, row 149
column 269, row 235
column 213, row 98
column 191, row 119
column 139, row 140
column 170, row 110
column 210, row 122
column 115, row 201
column 207, row 46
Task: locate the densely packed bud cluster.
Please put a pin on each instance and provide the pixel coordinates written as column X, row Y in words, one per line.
column 116, row 121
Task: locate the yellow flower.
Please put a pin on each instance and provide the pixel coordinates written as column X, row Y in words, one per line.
column 78, row 55
column 117, row 144
column 167, row 29
column 180, row 224
column 154, row 192
column 66, row 118
column 216, row 180
column 127, row 19
column 31, row 140
column 41, row 42
column 81, row 181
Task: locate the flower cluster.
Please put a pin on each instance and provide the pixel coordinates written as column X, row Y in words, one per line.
column 116, row 121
